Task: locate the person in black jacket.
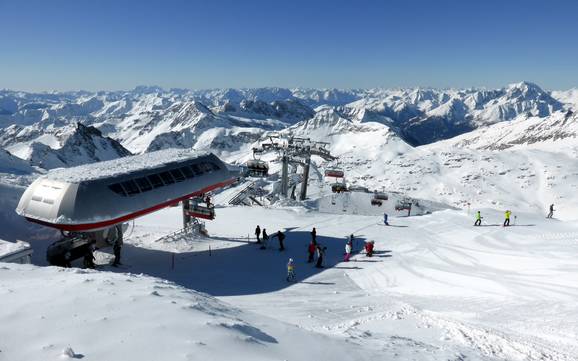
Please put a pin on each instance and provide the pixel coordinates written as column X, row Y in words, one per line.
column 281, row 237
column 117, row 248
column 258, row 233
column 265, row 239
column 551, row 213
column 314, row 235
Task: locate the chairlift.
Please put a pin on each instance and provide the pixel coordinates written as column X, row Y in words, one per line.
column 198, row 211
column 380, row 196
column 376, row 202
column 403, row 205
column 338, row 187
column 334, row 172
column 258, row 168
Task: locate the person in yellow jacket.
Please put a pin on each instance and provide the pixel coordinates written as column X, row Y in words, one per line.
column 290, row 270
column 478, row 219
column 507, row 220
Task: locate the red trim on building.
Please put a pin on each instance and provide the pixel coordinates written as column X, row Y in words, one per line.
column 128, row 217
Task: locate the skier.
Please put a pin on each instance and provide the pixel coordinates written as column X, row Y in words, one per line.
column 89, row 256
column 551, row 213
column 311, row 251
column 117, row 248
column 507, row 220
column 208, row 201
column 348, row 247
column 385, row 219
column 290, row 270
column 314, row 235
column 320, row 254
column 478, row 219
column 281, row 237
column 265, row 239
column 369, row 248
column 258, row 233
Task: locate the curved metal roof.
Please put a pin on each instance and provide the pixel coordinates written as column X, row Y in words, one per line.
column 122, row 166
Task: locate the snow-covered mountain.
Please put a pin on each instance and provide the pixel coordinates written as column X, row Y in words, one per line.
column 428, row 115
column 54, row 147
column 13, row 165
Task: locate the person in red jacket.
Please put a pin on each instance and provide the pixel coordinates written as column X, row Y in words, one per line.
column 369, row 248
column 311, row 251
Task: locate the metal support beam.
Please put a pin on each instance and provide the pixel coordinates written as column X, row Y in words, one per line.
column 303, row 194
column 186, row 215
column 285, row 175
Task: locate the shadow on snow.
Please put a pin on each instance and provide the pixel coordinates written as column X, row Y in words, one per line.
column 240, row 270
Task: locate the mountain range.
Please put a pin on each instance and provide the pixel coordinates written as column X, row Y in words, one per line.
column 399, row 139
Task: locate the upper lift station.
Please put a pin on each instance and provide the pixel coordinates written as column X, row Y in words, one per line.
column 90, row 203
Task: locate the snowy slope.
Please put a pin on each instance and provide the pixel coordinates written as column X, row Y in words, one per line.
column 437, row 288
column 103, row 316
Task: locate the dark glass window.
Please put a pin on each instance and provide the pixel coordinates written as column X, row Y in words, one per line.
column 179, row 177
column 143, row 184
column 188, row 172
column 214, row 166
column 130, row 187
column 197, row 169
column 155, row 180
column 206, row 167
column 117, row 188
column 167, row 178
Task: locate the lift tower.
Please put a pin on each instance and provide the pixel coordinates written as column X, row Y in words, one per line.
column 295, row 151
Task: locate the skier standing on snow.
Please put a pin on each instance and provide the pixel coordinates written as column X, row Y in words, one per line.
column 478, row 219
column 311, row 251
column 507, row 220
column 290, row 270
column 281, row 237
column 265, row 239
column 314, row 235
column 348, row 247
column 551, row 213
column 258, row 234
column 320, row 254
column 385, row 219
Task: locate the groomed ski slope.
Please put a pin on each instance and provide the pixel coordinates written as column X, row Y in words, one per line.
column 437, row 288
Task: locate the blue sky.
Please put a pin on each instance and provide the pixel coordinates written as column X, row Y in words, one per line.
column 104, row 44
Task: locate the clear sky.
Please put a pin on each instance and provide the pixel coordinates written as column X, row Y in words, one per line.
column 116, row 44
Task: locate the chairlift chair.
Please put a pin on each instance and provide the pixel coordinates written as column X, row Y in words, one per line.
column 380, row 196
column 258, row 168
column 401, row 206
column 376, row 202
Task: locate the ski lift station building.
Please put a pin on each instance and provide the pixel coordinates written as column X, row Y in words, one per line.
column 101, row 195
